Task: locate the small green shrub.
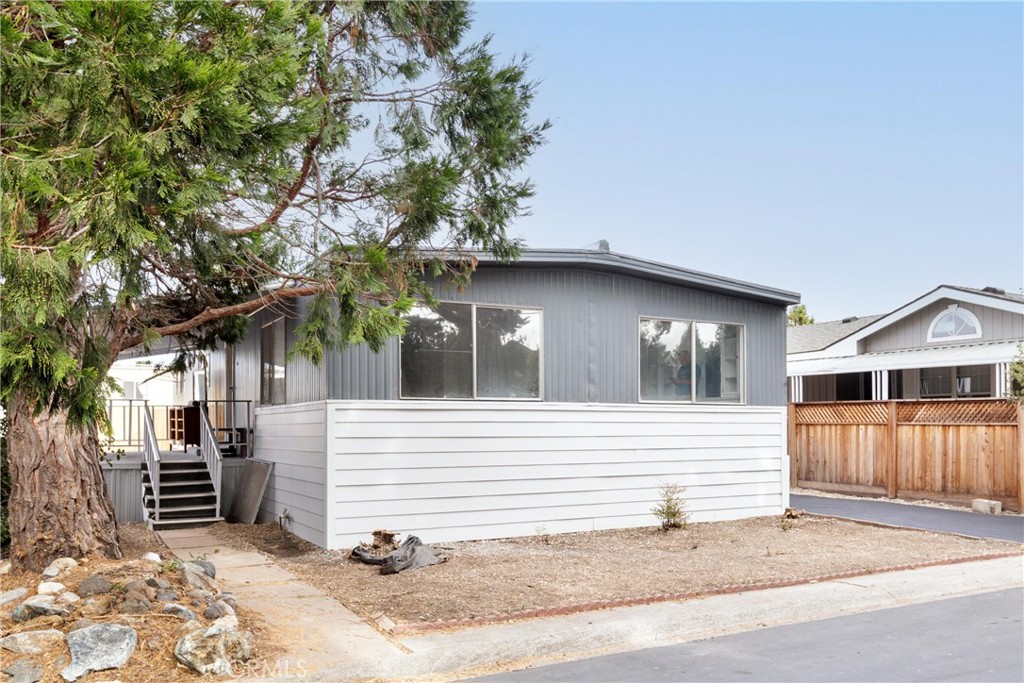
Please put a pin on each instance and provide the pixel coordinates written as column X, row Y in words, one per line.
column 671, row 510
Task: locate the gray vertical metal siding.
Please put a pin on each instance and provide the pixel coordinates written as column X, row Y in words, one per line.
column 124, row 486
column 591, row 336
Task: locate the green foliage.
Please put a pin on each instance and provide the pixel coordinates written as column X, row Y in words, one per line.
column 1015, row 377
column 672, row 509
column 798, row 315
column 169, row 168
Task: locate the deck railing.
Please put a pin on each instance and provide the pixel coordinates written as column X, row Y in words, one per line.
column 126, row 424
column 209, row 446
column 152, row 452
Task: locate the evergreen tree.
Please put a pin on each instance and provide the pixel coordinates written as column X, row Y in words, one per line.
column 798, row 315
column 169, row 167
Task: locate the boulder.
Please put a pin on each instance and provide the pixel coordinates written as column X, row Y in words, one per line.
column 140, row 588
column 59, row 565
column 97, row 606
column 167, row 596
column 31, row 642
column 12, row 595
column 68, row 597
column 24, row 671
column 81, row 623
column 179, row 611
column 135, row 604
column 229, row 598
column 157, row 582
column 49, row 588
column 152, row 557
column 94, row 585
column 99, row 647
column 195, row 577
column 38, row 606
column 212, row 650
column 206, row 566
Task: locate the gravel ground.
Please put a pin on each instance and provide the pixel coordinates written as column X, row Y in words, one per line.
column 487, row 578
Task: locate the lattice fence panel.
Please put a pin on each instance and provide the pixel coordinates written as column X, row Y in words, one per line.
column 854, row 413
column 957, row 412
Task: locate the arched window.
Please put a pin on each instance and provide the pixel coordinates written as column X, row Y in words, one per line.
column 954, row 323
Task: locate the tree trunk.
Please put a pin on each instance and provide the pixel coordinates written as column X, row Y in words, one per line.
column 59, row 505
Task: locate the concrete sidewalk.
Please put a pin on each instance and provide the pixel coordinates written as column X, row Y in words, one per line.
column 320, row 631
column 327, row 642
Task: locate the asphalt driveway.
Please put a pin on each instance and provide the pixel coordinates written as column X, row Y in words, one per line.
column 999, row 527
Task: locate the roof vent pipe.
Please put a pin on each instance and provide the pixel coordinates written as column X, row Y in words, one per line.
column 850, row 319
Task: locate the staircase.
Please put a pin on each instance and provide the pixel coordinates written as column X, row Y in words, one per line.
column 179, row 489
column 185, row 494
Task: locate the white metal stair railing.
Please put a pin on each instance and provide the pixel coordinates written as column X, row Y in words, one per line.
column 209, row 446
column 152, row 452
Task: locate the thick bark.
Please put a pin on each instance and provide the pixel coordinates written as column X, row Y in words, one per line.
column 59, row 505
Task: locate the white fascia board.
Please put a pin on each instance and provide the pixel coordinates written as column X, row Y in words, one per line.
column 978, row 354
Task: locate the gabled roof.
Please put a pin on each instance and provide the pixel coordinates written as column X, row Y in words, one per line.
column 612, row 262
column 807, row 338
column 802, row 338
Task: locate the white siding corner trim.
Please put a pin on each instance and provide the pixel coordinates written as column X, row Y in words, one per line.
column 449, row 471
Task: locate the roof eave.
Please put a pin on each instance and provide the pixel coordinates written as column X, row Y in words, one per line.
column 611, row 262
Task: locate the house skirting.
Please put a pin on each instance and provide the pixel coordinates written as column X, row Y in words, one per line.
column 459, row 470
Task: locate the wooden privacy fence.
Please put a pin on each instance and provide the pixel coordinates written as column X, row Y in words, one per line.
column 941, row 450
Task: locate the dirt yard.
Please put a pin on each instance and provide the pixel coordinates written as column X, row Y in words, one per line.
column 488, row 579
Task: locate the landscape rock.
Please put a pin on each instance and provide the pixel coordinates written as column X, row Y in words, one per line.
column 200, row 594
column 208, row 568
column 68, row 597
column 59, row 565
column 135, row 604
column 94, row 585
column 157, row 582
column 24, row 671
column 31, row 642
column 228, row 598
column 152, row 557
column 49, row 588
column 140, row 588
column 81, row 623
column 195, row 577
column 227, row 621
column 212, row 650
column 167, row 596
column 99, row 647
column 97, row 606
column 5, row 567
column 179, row 611
column 38, row 606
column 12, row 595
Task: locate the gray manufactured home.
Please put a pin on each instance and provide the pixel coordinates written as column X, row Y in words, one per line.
column 555, row 394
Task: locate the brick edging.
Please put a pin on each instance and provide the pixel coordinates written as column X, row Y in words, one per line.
column 404, row 629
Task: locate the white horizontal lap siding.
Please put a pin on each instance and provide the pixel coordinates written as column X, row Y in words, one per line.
column 449, row 471
column 294, row 438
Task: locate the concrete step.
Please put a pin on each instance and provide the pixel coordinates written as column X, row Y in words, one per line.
column 185, row 521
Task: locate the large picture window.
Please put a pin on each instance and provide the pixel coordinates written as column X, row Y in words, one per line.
column 690, row 361
column 471, row 351
column 272, row 363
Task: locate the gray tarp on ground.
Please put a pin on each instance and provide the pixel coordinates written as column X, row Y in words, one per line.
column 412, row 554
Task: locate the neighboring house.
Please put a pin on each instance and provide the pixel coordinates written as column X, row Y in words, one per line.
column 953, row 342
column 547, row 397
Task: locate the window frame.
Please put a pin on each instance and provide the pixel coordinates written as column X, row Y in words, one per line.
column 741, row 354
column 475, row 397
column 954, row 309
column 263, row 376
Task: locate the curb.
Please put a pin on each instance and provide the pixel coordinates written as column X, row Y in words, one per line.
column 409, row 629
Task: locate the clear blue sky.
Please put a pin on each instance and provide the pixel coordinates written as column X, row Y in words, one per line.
column 860, row 154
